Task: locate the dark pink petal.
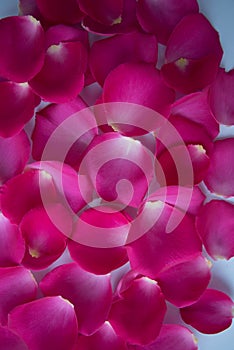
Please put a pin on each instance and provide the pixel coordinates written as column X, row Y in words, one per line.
column 131, row 47
column 10, row 341
column 215, row 226
column 17, row 286
column 60, row 11
column 171, row 337
column 17, row 103
column 22, row 48
column 220, row 176
column 104, row 339
column 192, row 56
column 90, row 294
column 28, row 7
column 62, row 76
column 47, row 323
column 184, row 283
column 15, row 152
column 158, row 248
column 160, row 17
column 220, row 97
column 141, row 306
column 149, row 88
column 61, row 32
column 12, row 245
column 211, row 314
column 103, row 11
column 44, row 241
column 22, row 193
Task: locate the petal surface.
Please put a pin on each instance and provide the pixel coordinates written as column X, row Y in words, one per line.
column 60, row 32
column 103, row 11
column 9, row 340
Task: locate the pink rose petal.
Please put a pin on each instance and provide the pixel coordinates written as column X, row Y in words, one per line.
column 11, row 341
column 64, row 33
column 211, row 314
column 103, row 11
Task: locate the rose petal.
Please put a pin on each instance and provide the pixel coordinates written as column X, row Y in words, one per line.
column 90, row 294
column 161, row 17
column 47, row 323
column 131, row 47
column 15, row 152
column 141, row 306
column 10, row 340
column 17, row 286
column 217, row 234
column 211, row 314
column 103, row 11
column 22, row 48
column 220, row 176
column 62, row 33
column 17, row 103
column 29, row 7
column 192, row 57
column 62, row 76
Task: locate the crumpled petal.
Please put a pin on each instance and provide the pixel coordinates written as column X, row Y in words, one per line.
column 103, row 11
column 160, row 17
column 215, row 226
column 17, row 102
column 47, row 323
column 17, row 286
column 60, row 32
column 22, row 42
column 192, row 56
column 211, row 314
column 130, row 47
column 44, row 241
column 62, row 76
column 15, row 152
column 9, row 340
column 90, row 294
column 221, row 97
column 140, row 306
column 220, row 175
column 12, row 245
column 184, row 283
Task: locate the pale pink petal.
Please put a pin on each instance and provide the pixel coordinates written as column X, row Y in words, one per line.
column 103, row 11
column 61, row 32
column 192, row 56
column 11, row 341
column 160, row 17
column 211, row 314
column 15, row 152
column 47, row 323
column 90, row 294
column 140, row 307
column 215, row 226
column 220, row 176
column 17, row 102
column 131, row 47
column 17, row 286
column 12, row 245
column 62, row 76
column 22, row 48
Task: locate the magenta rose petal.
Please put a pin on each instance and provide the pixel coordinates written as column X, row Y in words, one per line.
column 55, row 34
column 216, row 234
column 9, row 340
column 17, row 102
column 90, row 294
column 184, row 283
column 47, row 323
column 62, row 76
column 140, row 306
column 131, row 47
column 12, row 245
column 15, row 152
column 23, row 60
column 17, row 286
column 161, row 17
column 220, row 97
column 192, row 57
column 211, row 314
column 220, row 176
column 103, row 11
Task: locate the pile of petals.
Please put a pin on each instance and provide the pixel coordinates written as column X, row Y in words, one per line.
column 109, row 117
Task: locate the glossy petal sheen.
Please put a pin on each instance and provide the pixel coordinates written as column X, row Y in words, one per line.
column 11, row 341
column 220, row 176
column 60, row 11
column 90, row 294
column 17, row 286
column 62, row 75
column 141, row 306
column 48, row 323
column 103, row 11
column 211, row 314
column 215, row 225
column 22, row 48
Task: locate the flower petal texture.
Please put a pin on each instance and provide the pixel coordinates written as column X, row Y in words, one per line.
column 9, row 340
